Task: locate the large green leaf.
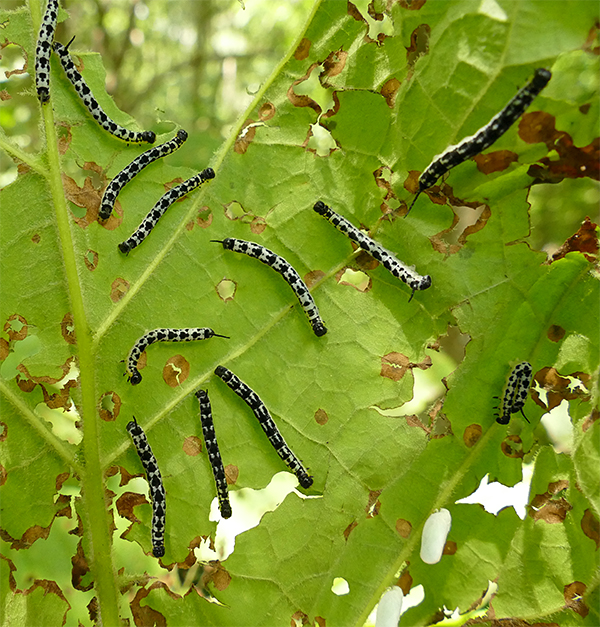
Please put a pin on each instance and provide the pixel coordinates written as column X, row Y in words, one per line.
column 455, row 63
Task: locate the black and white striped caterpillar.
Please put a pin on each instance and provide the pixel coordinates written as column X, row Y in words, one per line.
column 267, row 423
column 214, row 455
column 43, row 50
column 515, row 394
column 157, row 490
column 84, row 92
column 279, row 264
column 387, row 259
column 163, row 335
column 134, row 168
column 485, row 136
column 154, row 215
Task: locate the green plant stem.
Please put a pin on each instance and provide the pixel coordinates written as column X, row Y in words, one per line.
column 96, row 521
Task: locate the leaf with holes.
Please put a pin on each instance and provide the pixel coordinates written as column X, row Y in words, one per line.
column 358, row 107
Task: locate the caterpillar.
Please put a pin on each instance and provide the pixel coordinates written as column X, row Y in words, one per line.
column 133, row 169
column 214, row 455
column 43, row 50
column 150, row 221
column 279, row 264
column 387, row 259
column 261, row 412
column 163, row 335
column 515, row 394
column 157, row 490
column 485, row 136
column 98, row 113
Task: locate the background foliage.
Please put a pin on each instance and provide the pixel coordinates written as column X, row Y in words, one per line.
column 361, row 101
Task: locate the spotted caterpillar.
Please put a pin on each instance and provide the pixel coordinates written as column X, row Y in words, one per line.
column 84, row 92
column 43, row 50
column 157, row 490
column 279, row 264
column 515, row 394
column 253, row 401
column 485, row 136
column 214, row 455
column 387, row 259
column 154, row 215
column 163, row 335
column 134, row 168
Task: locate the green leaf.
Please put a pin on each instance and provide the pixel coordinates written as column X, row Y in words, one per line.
column 80, row 305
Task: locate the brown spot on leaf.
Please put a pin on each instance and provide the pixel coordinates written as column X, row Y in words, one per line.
column 3, row 431
column 403, row 527
column 557, row 387
column 574, row 598
column 118, row 289
column 267, row 111
column 496, row 161
column 16, row 328
column 405, row 582
column 389, row 91
column 548, row 508
column 3, row 475
column 36, row 239
column 176, row 371
column 590, row 527
column 215, row 573
column 590, row 420
column 232, row 472
column 373, row 504
column 86, row 197
column 301, row 100
column 556, row 333
column 348, row 530
column 17, row 71
column 312, row 278
column 419, row 44
column 512, row 446
column 204, row 218
column 4, row 95
column 395, row 365
column 4, row 349
column 109, row 406
column 258, row 225
column 302, row 50
column 245, row 137
column 80, row 570
column 333, row 66
column 572, row 162
column 67, row 328
column 192, row 445
column 584, row 241
column 64, row 138
column 472, row 434
column 126, row 502
column 321, row 417
column 90, row 259
column 411, row 5
column 449, row 548
column 60, row 480
column 144, row 614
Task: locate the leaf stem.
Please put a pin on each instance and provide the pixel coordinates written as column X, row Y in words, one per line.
column 95, row 511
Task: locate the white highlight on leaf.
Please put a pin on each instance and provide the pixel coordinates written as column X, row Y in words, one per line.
column 434, row 536
column 340, row 586
column 389, row 608
column 496, row 496
column 249, row 506
column 493, row 10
